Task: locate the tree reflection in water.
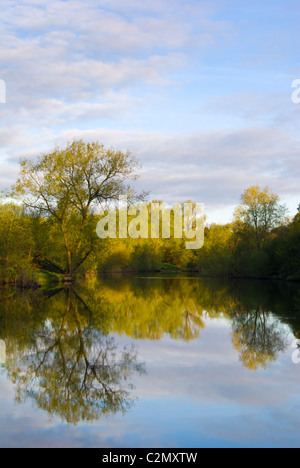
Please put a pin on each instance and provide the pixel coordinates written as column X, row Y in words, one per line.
column 258, row 337
column 71, row 369
column 61, row 349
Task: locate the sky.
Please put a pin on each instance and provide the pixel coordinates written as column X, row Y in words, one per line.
column 191, row 394
column 200, row 91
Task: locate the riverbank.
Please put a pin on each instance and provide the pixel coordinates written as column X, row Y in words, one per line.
column 32, row 280
column 168, row 269
column 43, row 279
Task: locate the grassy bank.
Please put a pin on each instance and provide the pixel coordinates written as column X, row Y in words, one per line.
column 29, row 279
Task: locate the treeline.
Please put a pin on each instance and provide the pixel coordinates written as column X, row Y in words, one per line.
column 31, row 251
column 261, row 242
column 229, row 252
column 48, row 226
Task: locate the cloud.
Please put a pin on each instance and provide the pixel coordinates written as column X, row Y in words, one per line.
column 211, row 167
column 63, row 49
column 149, row 77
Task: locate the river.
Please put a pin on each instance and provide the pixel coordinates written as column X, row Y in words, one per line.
column 151, row 361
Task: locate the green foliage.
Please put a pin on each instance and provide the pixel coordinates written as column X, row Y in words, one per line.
column 66, row 186
column 258, row 214
column 215, row 257
column 118, row 258
column 144, row 258
column 16, row 245
column 45, row 278
column 285, row 248
column 54, row 230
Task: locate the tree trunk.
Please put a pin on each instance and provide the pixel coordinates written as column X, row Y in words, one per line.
column 69, row 277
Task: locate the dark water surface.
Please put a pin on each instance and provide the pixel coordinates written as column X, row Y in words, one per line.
column 151, row 362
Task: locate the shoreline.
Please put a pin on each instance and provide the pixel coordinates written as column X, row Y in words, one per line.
column 44, row 278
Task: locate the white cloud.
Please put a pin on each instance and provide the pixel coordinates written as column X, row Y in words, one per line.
column 75, row 65
column 210, row 167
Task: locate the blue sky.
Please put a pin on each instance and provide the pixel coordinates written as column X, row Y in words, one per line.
column 199, row 90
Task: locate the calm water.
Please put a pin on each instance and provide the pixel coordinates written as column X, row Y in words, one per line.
column 151, row 362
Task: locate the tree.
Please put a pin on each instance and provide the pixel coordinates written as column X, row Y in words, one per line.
column 259, row 213
column 16, row 243
column 215, row 256
column 68, row 184
column 297, row 217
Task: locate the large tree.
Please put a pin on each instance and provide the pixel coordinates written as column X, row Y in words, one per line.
column 68, row 184
column 259, row 213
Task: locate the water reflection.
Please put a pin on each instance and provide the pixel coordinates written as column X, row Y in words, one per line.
column 61, row 349
column 65, row 363
column 258, row 338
